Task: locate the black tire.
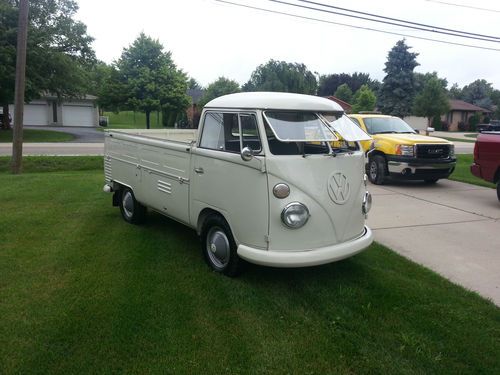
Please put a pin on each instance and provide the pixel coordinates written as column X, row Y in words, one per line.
column 431, row 181
column 377, row 169
column 132, row 211
column 498, row 190
column 218, row 247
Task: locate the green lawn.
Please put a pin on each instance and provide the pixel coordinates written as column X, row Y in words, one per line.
column 462, row 172
column 81, row 291
column 36, row 135
column 131, row 120
column 459, row 139
column 471, row 135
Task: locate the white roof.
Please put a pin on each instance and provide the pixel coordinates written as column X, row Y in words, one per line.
column 274, row 100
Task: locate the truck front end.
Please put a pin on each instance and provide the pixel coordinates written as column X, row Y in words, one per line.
column 318, row 199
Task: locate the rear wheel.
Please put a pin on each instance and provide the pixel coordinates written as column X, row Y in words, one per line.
column 132, row 211
column 377, row 169
column 218, row 246
column 498, row 190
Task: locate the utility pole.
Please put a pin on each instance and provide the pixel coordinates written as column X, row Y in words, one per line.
column 17, row 138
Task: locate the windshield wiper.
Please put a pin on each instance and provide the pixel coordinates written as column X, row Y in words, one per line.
column 386, row 132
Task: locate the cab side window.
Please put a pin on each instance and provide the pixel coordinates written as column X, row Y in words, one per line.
column 250, row 133
column 221, row 132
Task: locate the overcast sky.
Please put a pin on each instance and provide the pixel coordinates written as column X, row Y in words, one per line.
column 209, row 39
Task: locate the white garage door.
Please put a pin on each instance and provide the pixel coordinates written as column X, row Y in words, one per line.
column 74, row 115
column 35, row 114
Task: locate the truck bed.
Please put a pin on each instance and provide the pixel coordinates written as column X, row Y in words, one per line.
column 174, row 135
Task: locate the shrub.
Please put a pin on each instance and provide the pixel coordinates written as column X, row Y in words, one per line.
column 463, row 127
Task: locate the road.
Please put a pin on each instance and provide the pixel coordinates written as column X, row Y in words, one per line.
column 97, row 148
column 450, row 227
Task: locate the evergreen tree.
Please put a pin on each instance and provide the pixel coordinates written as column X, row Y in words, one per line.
column 398, row 89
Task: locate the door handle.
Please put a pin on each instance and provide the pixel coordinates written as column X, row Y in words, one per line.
column 199, row 170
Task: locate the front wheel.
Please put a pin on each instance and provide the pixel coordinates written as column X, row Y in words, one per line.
column 219, row 248
column 132, row 211
column 377, row 169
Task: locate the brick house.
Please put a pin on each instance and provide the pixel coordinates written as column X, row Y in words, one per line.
column 461, row 111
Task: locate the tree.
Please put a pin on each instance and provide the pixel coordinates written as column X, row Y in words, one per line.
column 432, row 102
column 283, row 77
column 59, row 50
column 364, row 100
column 328, row 84
column 420, row 81
column 479, row 93
column 222, row 86
column 344, row 93
column 193, row 84
column 146, row 79
column 398, row 89
column 455, row 92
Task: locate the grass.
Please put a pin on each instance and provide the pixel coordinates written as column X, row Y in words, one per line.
column 81, row 291
column 132, row 120
column 462, row 172
column 459, row 139
column 35, row 135
column 471, row 135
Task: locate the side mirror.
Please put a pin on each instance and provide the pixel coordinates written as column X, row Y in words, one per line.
column 247, row 153
column 417, row 131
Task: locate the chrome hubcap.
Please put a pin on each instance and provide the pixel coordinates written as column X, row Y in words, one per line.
column 128, row 204
column 218, row 247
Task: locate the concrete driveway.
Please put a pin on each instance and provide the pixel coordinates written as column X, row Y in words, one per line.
column 450, row 227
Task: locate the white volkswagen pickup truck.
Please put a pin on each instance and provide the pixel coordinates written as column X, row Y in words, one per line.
column 276, row 179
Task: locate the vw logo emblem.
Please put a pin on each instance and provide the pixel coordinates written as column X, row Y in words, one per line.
column 339, row 189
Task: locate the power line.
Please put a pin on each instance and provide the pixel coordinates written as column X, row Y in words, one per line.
column 354, row 27
column 398, row 22
column 465, row 6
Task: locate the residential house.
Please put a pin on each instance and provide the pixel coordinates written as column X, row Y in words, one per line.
column 461, row 112
column 52, row 111
column 345, row 106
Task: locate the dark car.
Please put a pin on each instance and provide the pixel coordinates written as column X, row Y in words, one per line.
column 487, row 158
column 494, row 126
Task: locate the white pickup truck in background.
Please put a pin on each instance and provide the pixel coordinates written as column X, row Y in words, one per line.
column 266, row 179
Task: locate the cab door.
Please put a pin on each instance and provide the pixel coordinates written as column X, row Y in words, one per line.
column 224, row 182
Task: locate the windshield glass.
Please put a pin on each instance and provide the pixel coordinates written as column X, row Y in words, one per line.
column 298, row 126
column 346, row 128
column 377, row 125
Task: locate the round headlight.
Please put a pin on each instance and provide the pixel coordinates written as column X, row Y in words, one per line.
column 367, row 203
column 295, row 215
column 281, row 190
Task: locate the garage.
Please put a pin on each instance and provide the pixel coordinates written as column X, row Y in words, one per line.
column 36, row 114
column 78, row 115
